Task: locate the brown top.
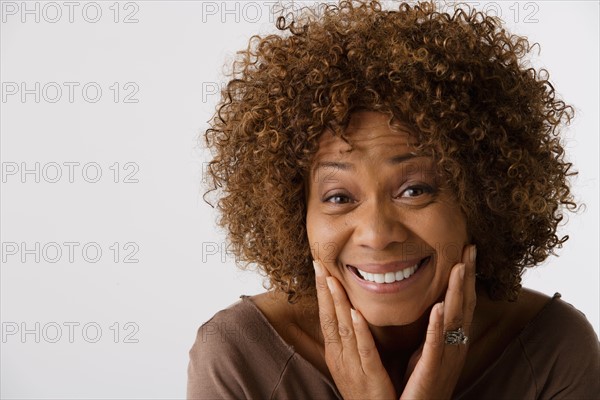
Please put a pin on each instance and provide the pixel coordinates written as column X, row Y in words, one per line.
column 238, row 354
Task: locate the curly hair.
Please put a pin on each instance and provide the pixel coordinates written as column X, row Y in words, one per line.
column 459, row 81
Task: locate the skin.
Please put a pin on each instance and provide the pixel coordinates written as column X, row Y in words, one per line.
column 354, row 359
column 363, row 209
column 377, row 211
column 377, row 204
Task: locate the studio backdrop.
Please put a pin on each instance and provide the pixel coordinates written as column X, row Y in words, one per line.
column 111, row 259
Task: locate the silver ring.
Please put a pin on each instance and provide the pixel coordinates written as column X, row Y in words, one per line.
column 455, row 337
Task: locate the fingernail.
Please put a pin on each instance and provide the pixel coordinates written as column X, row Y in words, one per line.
column 461, row 271
column 329, row 280
column 317, row 267
column 441, row 308
column 474, row 254
column 354, row 315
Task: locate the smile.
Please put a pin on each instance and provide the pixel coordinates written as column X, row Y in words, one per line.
column 388, row 277
column 391, row 276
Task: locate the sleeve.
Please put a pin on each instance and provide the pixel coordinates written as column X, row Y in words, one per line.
column 574, row 364
column 238, row 354
column 218, row 364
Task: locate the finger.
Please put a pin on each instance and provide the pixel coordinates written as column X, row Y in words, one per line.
column 344, row 321
column 365, row 345
column 469, row 294
column 327, row 317
column 453, row 302
column 433, row 347
column 342, row 312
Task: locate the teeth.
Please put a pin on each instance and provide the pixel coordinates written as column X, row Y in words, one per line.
column 388, row 277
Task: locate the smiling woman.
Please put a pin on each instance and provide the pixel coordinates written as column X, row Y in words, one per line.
column 384, row 212
column 392, row 172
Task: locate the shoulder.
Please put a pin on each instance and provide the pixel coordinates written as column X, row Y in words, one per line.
column 560, row 323
column 563, row 351
column 223, row 359
column 535, row 315
column 546, row 349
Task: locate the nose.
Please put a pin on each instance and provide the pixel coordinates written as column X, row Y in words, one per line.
column 378, row 224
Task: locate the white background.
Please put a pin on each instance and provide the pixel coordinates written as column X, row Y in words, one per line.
column 172, row 58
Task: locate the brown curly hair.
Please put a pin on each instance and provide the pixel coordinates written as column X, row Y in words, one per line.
column 460, row 81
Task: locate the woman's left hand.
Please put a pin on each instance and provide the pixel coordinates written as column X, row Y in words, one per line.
column 437, row 365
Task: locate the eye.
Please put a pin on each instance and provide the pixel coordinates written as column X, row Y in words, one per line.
column 338, row 198
column 416, row 191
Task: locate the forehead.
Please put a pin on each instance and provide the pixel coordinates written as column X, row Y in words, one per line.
column 369, row 133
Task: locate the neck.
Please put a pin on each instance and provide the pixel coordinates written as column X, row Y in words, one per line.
column 405, row 339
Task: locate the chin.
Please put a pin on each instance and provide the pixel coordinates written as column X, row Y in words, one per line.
column 389, row 315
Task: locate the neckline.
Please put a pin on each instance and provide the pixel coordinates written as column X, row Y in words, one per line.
column 515, row 341
column 246, row 300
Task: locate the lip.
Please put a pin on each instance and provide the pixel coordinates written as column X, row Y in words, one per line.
column 388, row 267
column 383, row 288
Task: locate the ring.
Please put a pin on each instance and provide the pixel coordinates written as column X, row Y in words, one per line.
column 455, row 337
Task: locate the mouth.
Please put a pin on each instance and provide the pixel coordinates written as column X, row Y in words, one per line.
column 388, row 277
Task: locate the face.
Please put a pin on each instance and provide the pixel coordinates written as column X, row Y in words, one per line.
column 380, row 221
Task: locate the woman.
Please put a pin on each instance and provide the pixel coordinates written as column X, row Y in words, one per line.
column 392, row 173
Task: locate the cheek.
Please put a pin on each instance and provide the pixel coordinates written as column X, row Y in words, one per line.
column 324, row 243
column 326, row 235
column 450, row 235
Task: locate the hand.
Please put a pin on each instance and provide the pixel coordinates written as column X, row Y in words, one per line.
column 353, row 359
column 439, row 365
column 350, row 351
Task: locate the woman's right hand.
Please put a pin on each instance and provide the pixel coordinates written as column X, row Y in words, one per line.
column 350, row 351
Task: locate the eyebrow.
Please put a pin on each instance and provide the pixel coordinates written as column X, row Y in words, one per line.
column 350, row 167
